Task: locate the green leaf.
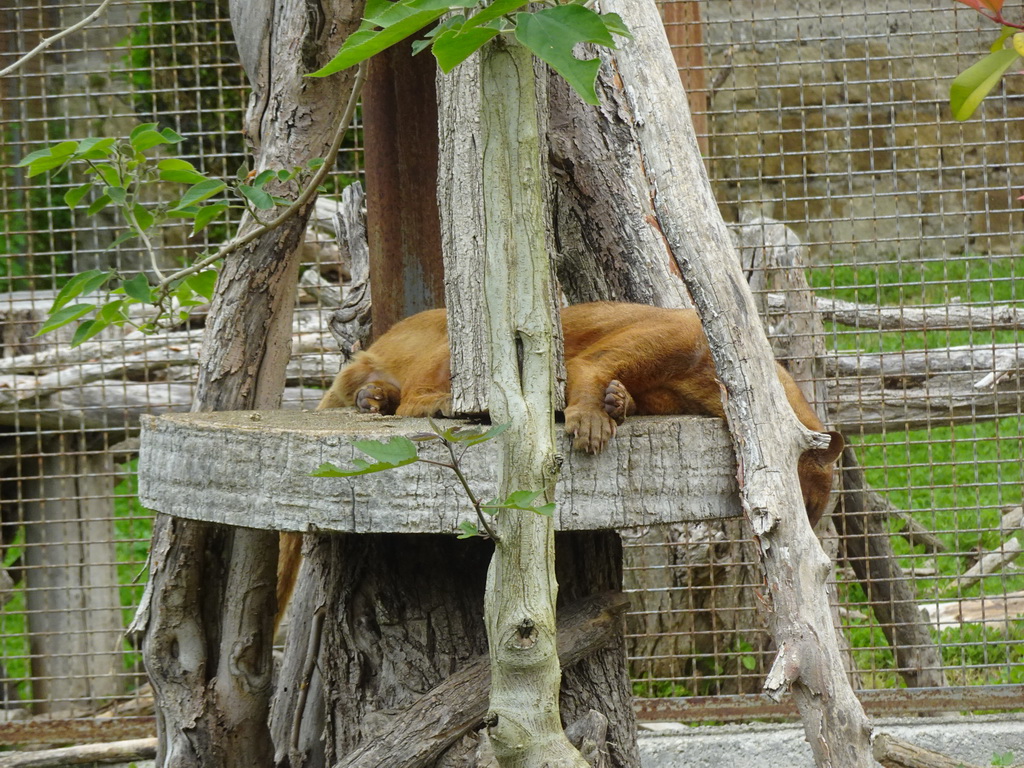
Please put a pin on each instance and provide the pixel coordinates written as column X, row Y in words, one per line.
column 117, row 194
column 521, row 499
column 74, row 196
column 199, row 192
column 748, row 662
column 203, row 283
column 263, row 177
column 614, row 24
column 1005, row 35
column 112, row 311
column 494, row 11
column 396, row 21
column 453, row 47
column 88, row 329
column 397, row 449
column 31, row 157
column 64, row 316
column 93, row 149
column 139, row 289
column 467, row 530
column 258, row 197
column 551, row 35
column 396, row 452
column 140, row 129
column 98, row 205
column 80, row 285
column 64, row 149
column 206, row 214
column 85, row 331
column 108, row 314
column 145, row 136
column 124, row 237
column 44, row 164
column 171, row 136
column 547, row 510
column 490, row 434
column 142, row 217
column 315, row 163
column 180, row 171
column 458, row 434
column 974, row 84
column 110, row 175
column 147, row 140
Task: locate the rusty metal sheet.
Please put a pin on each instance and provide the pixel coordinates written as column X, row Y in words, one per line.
column 888, row 702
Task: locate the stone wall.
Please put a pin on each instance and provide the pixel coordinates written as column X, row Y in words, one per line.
column 833, row 116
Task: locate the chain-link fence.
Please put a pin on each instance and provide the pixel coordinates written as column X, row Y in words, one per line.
column 829, row 140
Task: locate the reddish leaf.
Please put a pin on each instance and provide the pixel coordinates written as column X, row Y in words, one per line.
column 980, row 5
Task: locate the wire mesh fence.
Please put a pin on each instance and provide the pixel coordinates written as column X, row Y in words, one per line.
column 831, row 148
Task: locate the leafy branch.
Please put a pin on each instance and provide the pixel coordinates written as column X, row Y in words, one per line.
column 972, row 85
column 118, row 171
column 549, row 33
column 400, row 451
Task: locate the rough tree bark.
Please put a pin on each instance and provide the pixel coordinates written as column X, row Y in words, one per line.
column 208, row 627
column 523, row 722
column 767, row 447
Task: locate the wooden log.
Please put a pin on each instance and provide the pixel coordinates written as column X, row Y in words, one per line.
column 264, row 458
column 996, row 611
column 72, row 591
column 892, row 752
column 989, row 563
column 945, row 317
column 917, row 389
column 112, row 752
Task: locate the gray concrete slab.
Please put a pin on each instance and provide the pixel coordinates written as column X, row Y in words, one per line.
column 971, row 739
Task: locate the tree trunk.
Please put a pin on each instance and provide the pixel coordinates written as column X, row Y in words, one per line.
column 796, row 569
column 208, row 640
column 523, row 722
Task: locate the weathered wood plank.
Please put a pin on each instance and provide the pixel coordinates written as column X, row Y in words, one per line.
column 251, row 468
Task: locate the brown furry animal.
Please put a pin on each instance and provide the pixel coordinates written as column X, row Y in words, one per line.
column 621, row 359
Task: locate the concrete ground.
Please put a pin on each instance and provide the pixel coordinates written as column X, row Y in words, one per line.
column 974, row 740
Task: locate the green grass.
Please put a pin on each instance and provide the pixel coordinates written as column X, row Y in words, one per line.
column 933, row 283
column 955, row 480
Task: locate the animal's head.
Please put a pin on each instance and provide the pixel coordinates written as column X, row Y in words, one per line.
column 815, row 470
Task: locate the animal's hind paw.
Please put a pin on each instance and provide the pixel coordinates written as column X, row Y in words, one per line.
column 617, row 401
column 376, row 397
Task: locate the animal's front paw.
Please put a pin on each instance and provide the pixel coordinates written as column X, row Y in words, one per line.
column 591, row 428
column 617, row 401
column 375, row 397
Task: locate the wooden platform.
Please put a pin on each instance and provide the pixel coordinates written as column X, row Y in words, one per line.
column 252, row 469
